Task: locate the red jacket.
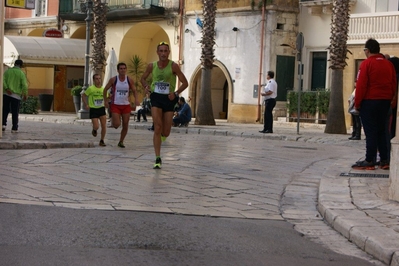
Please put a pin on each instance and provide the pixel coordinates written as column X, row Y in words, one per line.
column 376, row 80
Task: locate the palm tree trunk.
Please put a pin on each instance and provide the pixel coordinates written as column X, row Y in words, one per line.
column 99, row 33
column 335, row 117
column 205, row 113
column 338, row 49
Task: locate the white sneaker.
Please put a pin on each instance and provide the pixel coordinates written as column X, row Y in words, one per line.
column 14, row 131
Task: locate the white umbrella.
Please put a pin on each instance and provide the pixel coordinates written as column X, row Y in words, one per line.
column 110, row 68
column 90, row 78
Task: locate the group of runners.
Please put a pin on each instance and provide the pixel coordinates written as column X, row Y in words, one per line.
column 163, row 95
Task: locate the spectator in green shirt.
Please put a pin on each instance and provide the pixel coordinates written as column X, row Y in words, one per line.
column 15, row 89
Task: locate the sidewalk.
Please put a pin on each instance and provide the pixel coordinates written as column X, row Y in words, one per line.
column 354, row 203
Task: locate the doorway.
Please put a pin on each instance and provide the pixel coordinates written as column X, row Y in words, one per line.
column 319, row 70
column 285, row 70
column 221, row 88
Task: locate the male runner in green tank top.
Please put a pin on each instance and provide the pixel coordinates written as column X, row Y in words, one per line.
column 163, row 95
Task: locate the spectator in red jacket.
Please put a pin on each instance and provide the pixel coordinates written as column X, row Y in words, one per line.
column 375, row 91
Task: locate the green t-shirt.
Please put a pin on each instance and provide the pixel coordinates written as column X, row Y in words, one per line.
column 95, row 95
column 163, row 80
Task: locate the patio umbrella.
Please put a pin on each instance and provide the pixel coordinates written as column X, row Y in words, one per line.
column 110, row 68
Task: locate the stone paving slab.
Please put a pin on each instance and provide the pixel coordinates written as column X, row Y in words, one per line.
column 355, row 207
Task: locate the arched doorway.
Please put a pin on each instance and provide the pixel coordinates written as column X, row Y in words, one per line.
column 222, row 87
column 141, row 41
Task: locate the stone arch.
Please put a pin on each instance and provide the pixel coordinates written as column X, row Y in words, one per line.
column 222, row 90
column 142, row 39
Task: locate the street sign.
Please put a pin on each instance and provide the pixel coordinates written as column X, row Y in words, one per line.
column 299, row 42
column 25, row 4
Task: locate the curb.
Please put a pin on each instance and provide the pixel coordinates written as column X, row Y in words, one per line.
column 336, row 207
column 221, row 130
column 28, row 144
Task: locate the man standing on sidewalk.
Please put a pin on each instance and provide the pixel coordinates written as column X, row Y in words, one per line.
column 269, row 96
column 15, row 89
column 375, row 90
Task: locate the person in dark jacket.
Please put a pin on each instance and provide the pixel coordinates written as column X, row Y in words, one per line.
column 183, row 114
column 145, row 108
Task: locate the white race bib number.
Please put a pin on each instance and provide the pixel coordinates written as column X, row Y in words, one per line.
column 98, row 102
column 162, row 87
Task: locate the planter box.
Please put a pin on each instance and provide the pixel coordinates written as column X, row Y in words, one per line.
column 46, row 101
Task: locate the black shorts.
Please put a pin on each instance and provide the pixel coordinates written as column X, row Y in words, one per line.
column 97, row 112
column 162, row 101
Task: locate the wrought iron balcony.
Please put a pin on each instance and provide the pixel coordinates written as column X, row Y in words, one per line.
column 119, row 9
column 315, row 2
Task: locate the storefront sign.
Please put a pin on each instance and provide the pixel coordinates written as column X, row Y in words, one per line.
column 52, row 33
column 25, row 4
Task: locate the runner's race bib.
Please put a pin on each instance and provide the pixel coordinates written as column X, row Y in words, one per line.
column 121, row 95
column 162, row 87
column 98, row 102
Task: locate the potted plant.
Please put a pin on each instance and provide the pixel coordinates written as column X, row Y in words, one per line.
column 75, row 92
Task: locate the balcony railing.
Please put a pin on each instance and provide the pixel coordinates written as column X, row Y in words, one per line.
column 315, row 2
column 383, row 27
column 73, row 6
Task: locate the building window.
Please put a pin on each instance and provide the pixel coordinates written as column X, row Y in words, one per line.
column 41, row 8
column 381, row 6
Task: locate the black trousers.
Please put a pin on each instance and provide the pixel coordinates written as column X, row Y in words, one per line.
column 357, row 126
column 140, row 113
column 268, row 115
column 11, row 104
column 374, row 115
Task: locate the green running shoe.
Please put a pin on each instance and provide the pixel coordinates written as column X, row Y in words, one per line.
column 120, row 144
column 163, row 138
column 158, row 163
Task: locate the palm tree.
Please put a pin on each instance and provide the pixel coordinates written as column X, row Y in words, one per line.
column 137, row 68
column 204, row 114
column 99, row 33
column 338, row 49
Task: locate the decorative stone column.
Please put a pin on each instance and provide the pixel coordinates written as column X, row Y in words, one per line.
column 394, row 168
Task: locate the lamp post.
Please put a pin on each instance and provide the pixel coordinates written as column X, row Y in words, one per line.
column 299, row 45
column 83, row 113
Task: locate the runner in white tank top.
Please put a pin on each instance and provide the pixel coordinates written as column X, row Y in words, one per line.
column 120, row 103
column 121, row 92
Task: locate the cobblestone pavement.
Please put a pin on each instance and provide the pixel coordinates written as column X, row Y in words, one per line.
column 228, row 170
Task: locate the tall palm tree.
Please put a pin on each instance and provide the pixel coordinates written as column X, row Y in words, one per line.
column 99, row 33
column 338, row 49
column 204, row 114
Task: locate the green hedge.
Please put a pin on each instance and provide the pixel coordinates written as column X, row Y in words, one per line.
column 311, row 102
column 30, row 106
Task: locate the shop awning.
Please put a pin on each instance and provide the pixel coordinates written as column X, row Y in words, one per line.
column 42, row 50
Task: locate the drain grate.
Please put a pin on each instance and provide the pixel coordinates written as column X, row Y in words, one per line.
column 364, row 175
